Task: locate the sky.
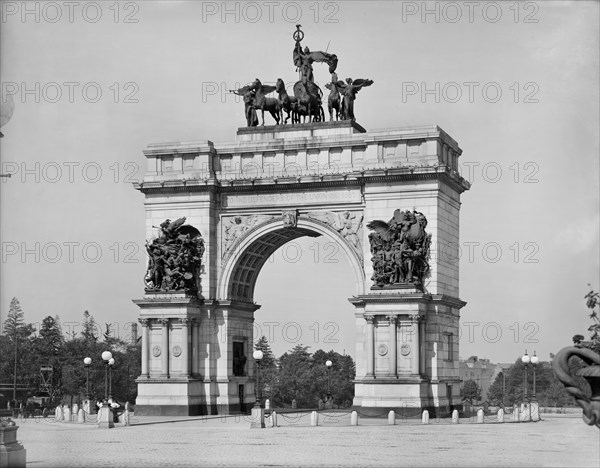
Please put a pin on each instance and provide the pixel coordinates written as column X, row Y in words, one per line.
column 515, row 84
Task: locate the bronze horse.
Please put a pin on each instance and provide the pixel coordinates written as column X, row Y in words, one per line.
column 334, row 101
column 309, row 97
column 288, row 103
column 262, row 102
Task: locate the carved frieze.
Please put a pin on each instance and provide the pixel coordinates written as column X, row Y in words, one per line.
column 234, row 227
column 347, row 223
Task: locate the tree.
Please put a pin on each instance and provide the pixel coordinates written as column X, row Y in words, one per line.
column 268, row 369
column 470, row 391
column 17, row 333
column 496, row 391
column 89, row 327
column 295, row 377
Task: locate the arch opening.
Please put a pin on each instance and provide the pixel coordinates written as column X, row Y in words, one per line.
column 241, row 270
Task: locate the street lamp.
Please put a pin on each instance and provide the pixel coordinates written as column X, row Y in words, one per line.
column 111, row 363
column 328, row 364
column 87, row 362
column 525, row 360
column 106, row 357
column 257, row 355
column 534, row 361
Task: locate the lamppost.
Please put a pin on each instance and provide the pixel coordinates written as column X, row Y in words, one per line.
column 525, row 360
column 111, row 363
column 106, row 357
column 328, row 364
column 87, row 362
column 534, row 361
column 257, row 355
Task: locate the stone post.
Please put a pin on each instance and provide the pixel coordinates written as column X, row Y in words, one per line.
column 455, row 419
column 314, row 418
column 479, row 416
column 425, row 417
column 392, row 418
column 185, row 346
column 393, row 345
column 165, row 347
column 12, row 453
column 500, row 415
column 80, row 416
column 354, row 418
column 145, row 346
column 370, row 345
column 58, row 413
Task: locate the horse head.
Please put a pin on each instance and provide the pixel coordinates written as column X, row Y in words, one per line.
column 279, row 86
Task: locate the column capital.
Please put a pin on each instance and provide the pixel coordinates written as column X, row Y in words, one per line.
column 370, row 319
column 393, row 319
column 144, row 321
column 163, row 321
column 185, row 322
column 415, row 318
column 196, row 321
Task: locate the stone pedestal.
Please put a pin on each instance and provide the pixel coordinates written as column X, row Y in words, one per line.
column 257, row 418
column 105, row 417
column 12, row 453
column 407, row 361
column 188, row 356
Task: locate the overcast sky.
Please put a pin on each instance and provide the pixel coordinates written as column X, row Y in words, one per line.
column 515, row 84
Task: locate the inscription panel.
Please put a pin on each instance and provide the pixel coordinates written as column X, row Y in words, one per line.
column 320, row 197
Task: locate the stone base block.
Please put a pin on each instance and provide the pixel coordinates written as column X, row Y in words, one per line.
column 12, row 453
column 406, row 396
column 106, row 418
column 186, row 397
column 257, row 418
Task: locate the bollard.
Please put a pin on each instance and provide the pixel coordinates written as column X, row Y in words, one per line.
column 500, row 415
column 314, row 418
column 354, row 418
column 125, row 420
column 58, row 414
column 515, row 413
column 392, row 418
column 455, row 419
column 425, row 417
column 75, row 411
column 67, row 414
column 479, row 416
column 81, row 416
column 274, row 418
column 267, row 404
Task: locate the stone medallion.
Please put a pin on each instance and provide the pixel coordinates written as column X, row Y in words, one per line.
column 156, row 351
column 176, row 350
column 382, row 349
column 405, row 349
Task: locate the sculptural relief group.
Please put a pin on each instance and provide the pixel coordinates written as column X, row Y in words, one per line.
column 400, row 249
column 306, row 104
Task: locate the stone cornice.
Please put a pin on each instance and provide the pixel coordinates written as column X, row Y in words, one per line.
column 354, row 178
column 400, row 298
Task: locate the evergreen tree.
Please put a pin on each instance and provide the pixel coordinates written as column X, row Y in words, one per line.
column 268, row 370
column 470, row 391
column 89, row 327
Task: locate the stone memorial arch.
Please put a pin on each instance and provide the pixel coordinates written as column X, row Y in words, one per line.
column 273, row 185
column 216, row 212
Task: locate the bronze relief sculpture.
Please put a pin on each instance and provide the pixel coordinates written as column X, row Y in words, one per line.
column 400, row 250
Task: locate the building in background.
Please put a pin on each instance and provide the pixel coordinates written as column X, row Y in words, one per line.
column 482, row 371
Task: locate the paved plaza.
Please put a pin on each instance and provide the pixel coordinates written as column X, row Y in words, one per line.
column 557, row 440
